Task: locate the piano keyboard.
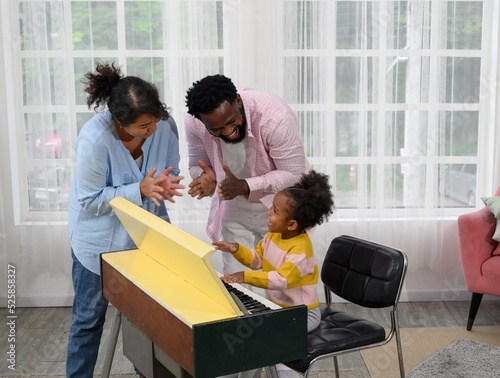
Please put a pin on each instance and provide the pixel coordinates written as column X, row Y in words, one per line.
column 252, row 301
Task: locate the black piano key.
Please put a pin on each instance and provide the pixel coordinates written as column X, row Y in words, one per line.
column 251, row 304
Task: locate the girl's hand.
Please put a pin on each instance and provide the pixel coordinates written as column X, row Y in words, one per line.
column 170, row 184
column 237, row 277
column 226, row 247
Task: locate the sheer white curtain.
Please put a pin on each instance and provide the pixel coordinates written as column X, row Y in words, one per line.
column 39, row 161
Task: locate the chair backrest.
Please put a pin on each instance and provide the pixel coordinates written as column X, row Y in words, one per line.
column 364, row 272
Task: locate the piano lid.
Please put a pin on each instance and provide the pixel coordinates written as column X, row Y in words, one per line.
column 177, row 251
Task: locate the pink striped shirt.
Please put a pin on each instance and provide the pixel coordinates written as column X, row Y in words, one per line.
column 275, row 151
column 289, row 270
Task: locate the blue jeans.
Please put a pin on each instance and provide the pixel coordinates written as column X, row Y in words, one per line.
column 89, row 314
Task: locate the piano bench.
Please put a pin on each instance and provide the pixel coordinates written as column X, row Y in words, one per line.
column 338, row 331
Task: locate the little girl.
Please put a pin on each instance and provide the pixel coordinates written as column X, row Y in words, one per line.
column 285, row 255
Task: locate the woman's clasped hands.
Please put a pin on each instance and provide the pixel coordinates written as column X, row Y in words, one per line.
column 161, row 187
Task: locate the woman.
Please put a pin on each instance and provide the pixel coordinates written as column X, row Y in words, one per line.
column 118, row 154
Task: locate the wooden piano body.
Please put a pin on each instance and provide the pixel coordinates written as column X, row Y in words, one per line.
column 170, row 292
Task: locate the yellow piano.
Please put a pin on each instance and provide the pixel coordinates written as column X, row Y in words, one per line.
column 180, row 317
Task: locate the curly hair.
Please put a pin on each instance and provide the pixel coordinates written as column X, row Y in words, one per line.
column 208, row 94
column 127, row 97
column 310, row 200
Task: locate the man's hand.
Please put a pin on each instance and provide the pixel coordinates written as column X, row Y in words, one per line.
column 204, row 185
column 231, row 186
column 238, row 277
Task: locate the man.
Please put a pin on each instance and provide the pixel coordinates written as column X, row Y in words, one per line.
column 244, row 147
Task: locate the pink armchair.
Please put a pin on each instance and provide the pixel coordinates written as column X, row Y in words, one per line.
column 478, row 252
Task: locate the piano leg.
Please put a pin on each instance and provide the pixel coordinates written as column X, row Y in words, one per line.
column 115, row 330
column 146, row 356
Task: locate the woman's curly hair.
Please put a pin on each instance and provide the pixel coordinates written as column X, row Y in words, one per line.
column 127, row 97
column 209, row 93
column 310, row 200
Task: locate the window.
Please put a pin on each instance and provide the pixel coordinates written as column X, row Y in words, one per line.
column 388, row 95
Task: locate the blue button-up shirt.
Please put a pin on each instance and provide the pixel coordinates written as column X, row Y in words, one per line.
column 104, row 170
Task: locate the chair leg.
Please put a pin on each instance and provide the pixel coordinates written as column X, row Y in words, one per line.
column 398, row 344
column 271, row 371
column 336, row 366
column 474, row 306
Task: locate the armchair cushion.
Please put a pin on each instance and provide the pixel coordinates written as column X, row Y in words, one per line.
column 493, row 203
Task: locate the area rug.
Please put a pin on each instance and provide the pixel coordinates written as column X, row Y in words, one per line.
column 463, row 358
column 420, row 344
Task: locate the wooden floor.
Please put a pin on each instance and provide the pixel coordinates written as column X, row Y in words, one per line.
column 41, row 333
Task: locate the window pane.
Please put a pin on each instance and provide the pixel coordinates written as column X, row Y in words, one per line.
column 312, row 129
column 412, row 71
column 419, row 73
column 357, row 23
column 404, row 185
column 458, row 183
column 355, row 133
column 200, row 25
column 396, row 79
column 94, row 25
column 464, row 25
column 406, row 133
column 44, row 81
column 462, row 80
column 303, row 24
column 459, row 133
column 301, row 85
column 409, row 24
column 354, row 80
column 46, row 135
column 144, row 21
column 394, row 133
column 41, row 25
column 48, row 188
column 349, row 178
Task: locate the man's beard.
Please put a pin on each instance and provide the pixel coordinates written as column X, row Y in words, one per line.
column 242, row 130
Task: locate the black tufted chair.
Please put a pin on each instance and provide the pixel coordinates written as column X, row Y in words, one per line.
column 367, row 274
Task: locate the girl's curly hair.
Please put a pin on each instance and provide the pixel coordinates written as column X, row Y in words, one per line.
column 127, row 97
column 310, row 200
column 209, row 93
